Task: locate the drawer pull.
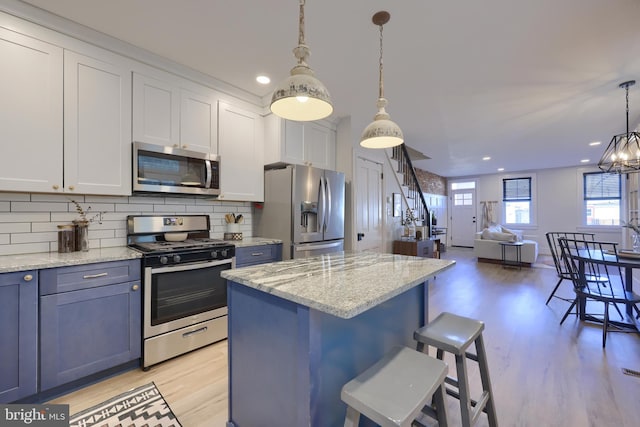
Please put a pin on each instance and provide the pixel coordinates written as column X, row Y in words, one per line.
column 93, row 276
column 257, row 253
column 197, row 331
column 28, row 277
column 135, row 287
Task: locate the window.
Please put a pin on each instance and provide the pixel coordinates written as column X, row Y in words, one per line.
column 602, row 196
column 463, row 199
column 516, row 195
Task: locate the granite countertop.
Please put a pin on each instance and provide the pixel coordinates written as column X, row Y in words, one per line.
column 253, row 241
column 22, row 262
column 9, row 263
column 342, row 284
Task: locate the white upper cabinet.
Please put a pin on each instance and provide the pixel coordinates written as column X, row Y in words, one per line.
column 31, row 114
column 303, row 143
column 174, row 112
column 97, row 125
column 156, row 111
column 241, row 143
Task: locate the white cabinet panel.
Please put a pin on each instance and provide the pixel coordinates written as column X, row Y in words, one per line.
column 241, row 154
column 97, row 146
column 31, row 113
column 174, row 112
column 198, row 124
column 156, row 111
column 302, row 143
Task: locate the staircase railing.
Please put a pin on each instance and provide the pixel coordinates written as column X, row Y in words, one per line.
column 410, row 181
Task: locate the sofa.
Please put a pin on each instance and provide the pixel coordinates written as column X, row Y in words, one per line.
column 487, row 248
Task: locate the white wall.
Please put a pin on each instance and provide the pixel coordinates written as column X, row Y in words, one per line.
column 559, row 203
column 28, row 222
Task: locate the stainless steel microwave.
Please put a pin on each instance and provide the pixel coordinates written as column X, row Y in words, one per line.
column 160, row 169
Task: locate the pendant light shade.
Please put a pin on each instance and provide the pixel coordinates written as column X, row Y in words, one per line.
column 623, row 152
column 382, row 132
column 301, row 96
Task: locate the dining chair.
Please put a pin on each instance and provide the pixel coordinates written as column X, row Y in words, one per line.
column 584, row 258
column 561, row 269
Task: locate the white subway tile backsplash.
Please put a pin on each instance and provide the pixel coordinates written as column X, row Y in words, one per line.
column 147, row 200
column 34, row 237
column 28, row 222
column 22, row 217
column 106, row 199
column 137, row 207
column 170, row 209
column 27, row 248
column 39, row 207
column 17, row 227
column 199, row 209
column 14, row 196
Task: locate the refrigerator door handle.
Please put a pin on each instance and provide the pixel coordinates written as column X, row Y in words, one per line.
column 323, row 202
column 327, row 188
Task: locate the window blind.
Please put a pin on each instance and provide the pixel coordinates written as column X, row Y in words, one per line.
column 516, row 189
column 601, row 186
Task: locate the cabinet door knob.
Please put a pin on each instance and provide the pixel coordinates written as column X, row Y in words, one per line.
column 71, row 187
column 176, row 146
column 28, row 277
column 135, row 287
column 55, row 186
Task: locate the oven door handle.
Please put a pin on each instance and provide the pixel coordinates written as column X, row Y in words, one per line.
column 191, row 266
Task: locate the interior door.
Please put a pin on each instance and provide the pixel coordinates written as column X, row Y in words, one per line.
column 463, row 217
column 368, row 205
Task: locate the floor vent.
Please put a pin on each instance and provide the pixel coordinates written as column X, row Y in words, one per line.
column 631, row 372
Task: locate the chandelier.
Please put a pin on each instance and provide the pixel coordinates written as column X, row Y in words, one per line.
column 623, row 152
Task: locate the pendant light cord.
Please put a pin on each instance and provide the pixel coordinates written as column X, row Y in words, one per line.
column 301, row 24
column 381, row 83
column 627, row 89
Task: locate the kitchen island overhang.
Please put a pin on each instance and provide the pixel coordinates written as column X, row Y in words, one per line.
column 300, row 329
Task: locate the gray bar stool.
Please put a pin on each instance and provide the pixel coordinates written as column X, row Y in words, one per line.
column 395, row 390
column 454, row 334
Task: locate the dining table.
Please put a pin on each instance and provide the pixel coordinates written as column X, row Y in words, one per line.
column 625, row 260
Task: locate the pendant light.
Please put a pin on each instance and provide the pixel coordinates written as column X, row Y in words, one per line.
column 301, row 96
column 382, row 132
column 623, row 152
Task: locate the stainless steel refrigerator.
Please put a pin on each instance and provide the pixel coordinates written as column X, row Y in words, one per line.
column 304, row 207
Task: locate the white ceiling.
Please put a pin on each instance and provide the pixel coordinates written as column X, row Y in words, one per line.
column 528, row 82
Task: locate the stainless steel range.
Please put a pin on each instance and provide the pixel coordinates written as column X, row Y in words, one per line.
column 185, row 299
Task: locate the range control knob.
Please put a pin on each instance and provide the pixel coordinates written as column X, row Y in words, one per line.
column 176, row 258
column 214, row 254
column 224, row 253
column 164, row 260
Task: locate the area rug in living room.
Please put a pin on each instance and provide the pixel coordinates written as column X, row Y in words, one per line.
column 141, row 407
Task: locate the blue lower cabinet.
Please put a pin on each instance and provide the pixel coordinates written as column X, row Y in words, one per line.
column 86, row 331
column 18, row 335
column 259, row 254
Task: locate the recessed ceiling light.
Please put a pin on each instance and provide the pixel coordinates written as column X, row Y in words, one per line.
column 263, row 80
column 500, row 169
column 486, row 158
column 584, row 161
column 594, row 143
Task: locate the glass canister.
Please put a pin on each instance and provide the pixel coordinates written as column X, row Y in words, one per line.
column 66, row 238
column 82, row 235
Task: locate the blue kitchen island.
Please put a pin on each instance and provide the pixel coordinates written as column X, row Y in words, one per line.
column 300, row 329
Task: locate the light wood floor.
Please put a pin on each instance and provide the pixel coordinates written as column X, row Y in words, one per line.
column 543, row 374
